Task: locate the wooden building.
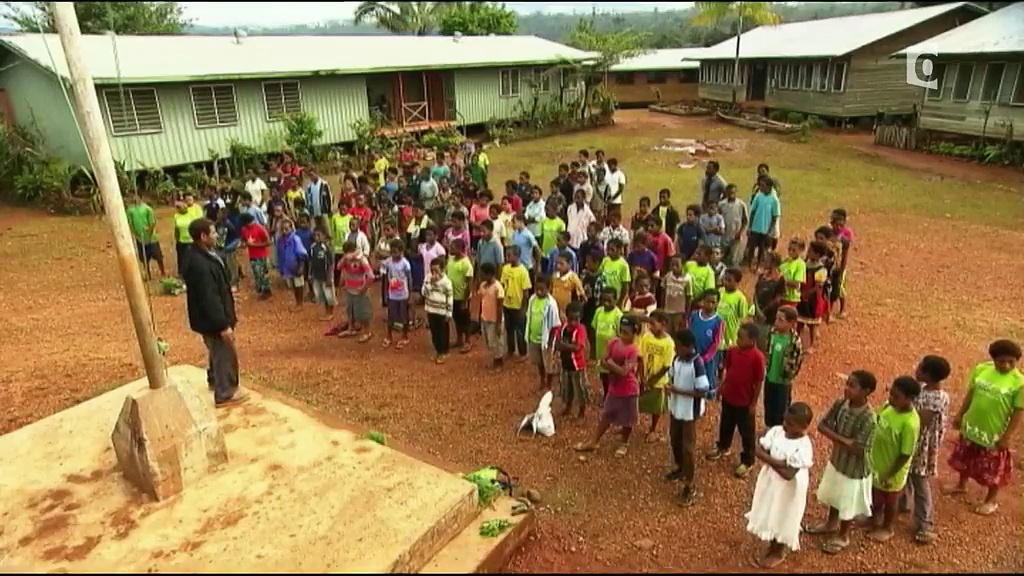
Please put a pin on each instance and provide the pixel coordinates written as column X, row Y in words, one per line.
column 978, row 69
column 660, row 76
column 836, row 67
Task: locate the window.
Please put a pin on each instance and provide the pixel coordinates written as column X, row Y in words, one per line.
column 624, row 78
column 133, row 111
column 541, row 80
column 687, row 76
column 939, row 75
column 993, row 83
column 838, row 76
column 508, row 83
column 821, row 76
column 281, row 99
column 1017, row 97
column 792, row 77
column 214, row 105
column 807, row 76
column 657, row 77
column 962, row 83
column 783, row 76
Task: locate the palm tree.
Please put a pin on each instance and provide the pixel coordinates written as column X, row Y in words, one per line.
column 714, row 13
column 419, row 18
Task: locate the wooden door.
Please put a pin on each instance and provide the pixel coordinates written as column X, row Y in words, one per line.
column 436, row 97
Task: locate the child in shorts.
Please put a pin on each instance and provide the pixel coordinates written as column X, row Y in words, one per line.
column 321, row 271
column 570, row 343
column 356, row 277
column 492, row 296
column 541, row 320
column 397, row 279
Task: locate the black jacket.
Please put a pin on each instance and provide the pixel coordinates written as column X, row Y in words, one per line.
column 211, row 307
column 671, row 222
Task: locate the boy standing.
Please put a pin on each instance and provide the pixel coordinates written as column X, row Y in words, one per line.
column 541, row 319
column 932, row 407
column 736, row 216
column 398, row 276
column 257, row 242
column 515, row 282
column 321, row 271
column 142, row 221
column 688, row 384
column 356, row 277
column 570, row 341
column 744, row 369
column 785, row 356
column 892, row 448
column 657, row 349
column 460, row 271
column 492, row 295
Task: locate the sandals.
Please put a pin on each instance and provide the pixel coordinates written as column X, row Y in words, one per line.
column 365, row 338
column 347, row 333
column 925, row 537
column 584, row 447
column 385, row 343
column 834, row 546
column 621, row 451
column 465, row 349
column 986, row 508
column 820, row 529
column 401, row 344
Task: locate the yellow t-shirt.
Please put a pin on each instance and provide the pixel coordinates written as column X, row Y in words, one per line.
column 794, row 270
column 292, row 195
column 515, row 280
column 339, row 231
column 562, row 289
column 657, row 353
column 482, row 160
column 181, row 224
column 549, row 230
column 381, row 167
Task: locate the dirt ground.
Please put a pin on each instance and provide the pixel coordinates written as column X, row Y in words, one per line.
column 933, row 271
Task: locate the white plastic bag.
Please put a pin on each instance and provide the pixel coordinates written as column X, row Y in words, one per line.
column 540, row 422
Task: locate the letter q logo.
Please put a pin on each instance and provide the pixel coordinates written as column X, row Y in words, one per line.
column 921, row 67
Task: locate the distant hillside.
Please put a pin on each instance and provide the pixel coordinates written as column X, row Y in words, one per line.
column 668, row 29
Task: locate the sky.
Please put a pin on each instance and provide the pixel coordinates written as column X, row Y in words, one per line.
column 287, row 13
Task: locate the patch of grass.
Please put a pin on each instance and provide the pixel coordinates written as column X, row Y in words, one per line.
column 378, row 437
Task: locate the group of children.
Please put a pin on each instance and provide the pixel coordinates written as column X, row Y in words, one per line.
column 556, row 281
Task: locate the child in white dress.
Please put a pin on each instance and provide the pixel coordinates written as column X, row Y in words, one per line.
column 780, row 496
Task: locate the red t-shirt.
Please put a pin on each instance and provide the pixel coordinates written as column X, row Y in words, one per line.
column 623, row 386
column 577, row 360
column 744, row 372
column 355, row 273
column 256, row 234
column 663, row 247
column 364, row 214
column 516, row 202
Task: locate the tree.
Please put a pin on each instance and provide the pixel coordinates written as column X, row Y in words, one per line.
column 419, row 18
column 479, row 19
column 750, row 13
column 610, row 49
column 102, row 17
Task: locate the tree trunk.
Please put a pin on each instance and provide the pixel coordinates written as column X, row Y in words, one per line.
column 736, row 62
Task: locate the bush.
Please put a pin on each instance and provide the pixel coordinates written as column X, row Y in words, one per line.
column 778, row 115
column 813, row 121
column 443, row 139
column 302, row 135
column 794, row 118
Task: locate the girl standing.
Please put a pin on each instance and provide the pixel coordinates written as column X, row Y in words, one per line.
column 987, row 420
column 768, row 293
column 812, row 296
column 438, row 301
column 622, row 361
column 780, row 496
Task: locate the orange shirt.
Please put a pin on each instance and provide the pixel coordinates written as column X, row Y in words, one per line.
column 490, row 308
column 563, row 288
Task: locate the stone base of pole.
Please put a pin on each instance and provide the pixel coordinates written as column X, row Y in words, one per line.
column 167, row 439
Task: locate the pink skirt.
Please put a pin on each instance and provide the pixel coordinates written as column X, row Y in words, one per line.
column 989, row 467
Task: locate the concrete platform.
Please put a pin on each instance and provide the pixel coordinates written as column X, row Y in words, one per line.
column 298, row 495
column 471, row 553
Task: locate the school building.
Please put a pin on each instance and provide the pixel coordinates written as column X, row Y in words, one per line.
column 835, row 67
column 659, row 76
column 175, row 100
column 979, row 73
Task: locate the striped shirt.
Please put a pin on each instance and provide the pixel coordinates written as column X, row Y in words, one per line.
column 857, row 424
column 438, row 296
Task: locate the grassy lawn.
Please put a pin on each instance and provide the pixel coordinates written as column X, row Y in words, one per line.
column 936, row 269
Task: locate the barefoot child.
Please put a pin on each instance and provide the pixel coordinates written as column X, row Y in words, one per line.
column 687, row 387
column 702, row 276
column 257, row 243
column 932, row 407
column 291, row 259
column 460, row 273
column 785, row 357
column 566, row 286
column 794, row 272
column 541, row 319
column 438, row 303
column 845, row 486
column 570, row 343
column 607, row 320
column 492, row 295
column 677, row 294
column 780, row 496
column 356, row 277
column 743, row 376
column 515, row 281
column 844, row 235
column 988, row 418
column 892, row 448
column 615, row 271
column 732, row 306
column 657, row 349
column 398, row 279
column 812, row 292
column 321, row 271
column 708, row 326
column 622, row 361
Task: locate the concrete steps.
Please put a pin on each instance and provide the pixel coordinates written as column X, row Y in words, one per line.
column 471, row 553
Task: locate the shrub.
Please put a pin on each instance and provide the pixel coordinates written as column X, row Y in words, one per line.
column 794, row 118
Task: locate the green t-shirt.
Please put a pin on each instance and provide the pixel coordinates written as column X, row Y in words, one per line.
column 459, row 272
column 181, row 224
column 995, row 397
column 142, row 220
column 778, row 347
column 535, row 320
column 702, row 279
column 793, row 271
column 896, row 435
column 733, row 308
column 549, row 229
column 606, row 327
column 615, row 274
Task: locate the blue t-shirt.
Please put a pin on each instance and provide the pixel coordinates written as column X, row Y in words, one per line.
column 306, row 235
column 526, row 242
column 763, row 210
column 574, row 263
column 688, row 237
column 643, row 259
column 290, row 252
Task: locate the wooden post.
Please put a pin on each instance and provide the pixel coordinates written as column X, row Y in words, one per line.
column 87, row 107
column 401, row 97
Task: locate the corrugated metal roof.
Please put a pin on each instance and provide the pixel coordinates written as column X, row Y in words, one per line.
column 178, row 58
column 669, row 59
column 825, row 38
column 997, row 33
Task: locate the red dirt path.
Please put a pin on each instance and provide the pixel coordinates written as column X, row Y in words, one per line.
column 68, row 337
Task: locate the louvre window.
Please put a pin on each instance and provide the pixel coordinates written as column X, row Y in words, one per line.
column 133, row 111
column 281, row 99
column 214, row 105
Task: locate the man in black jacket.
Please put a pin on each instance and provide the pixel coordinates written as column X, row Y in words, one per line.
column 211, row 312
